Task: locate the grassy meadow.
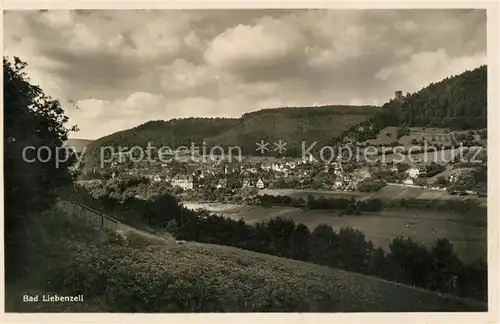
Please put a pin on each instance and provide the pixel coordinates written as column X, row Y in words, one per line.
column 136, row 274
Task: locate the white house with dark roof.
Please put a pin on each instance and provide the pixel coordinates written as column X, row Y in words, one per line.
column 260, row 184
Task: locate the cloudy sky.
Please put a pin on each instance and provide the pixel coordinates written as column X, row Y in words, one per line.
column 123, row 68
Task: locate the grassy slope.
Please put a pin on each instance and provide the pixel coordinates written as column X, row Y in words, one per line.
column 141, row 275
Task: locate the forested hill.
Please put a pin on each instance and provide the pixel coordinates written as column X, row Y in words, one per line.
column 458, row 102
column 290, row 124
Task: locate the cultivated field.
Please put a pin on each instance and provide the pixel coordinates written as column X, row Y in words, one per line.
column 423, row 226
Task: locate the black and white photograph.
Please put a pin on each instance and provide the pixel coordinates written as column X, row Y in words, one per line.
column 260, row 160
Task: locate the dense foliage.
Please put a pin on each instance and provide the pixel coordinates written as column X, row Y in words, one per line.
column 350, row 206
column 127, row 275
column 346, row 249
column 458, row 103
column 433, row 169
column 370, row 185
column 32, row 121
column 353, row 206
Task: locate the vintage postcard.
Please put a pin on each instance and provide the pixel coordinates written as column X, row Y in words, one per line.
column 326, row 161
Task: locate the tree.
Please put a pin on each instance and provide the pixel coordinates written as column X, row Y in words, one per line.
column 323, row 238
column 300, row 243
column 446, row 265
column 441, row 180
column 178, row 190
column 311, row 202
column 379, row 265
column 414, row 260
column 420, row 182
column 402, row 167
column 295, row 203
column 474, row 282
column 374, row 205
column 370, row 185
column 433, row 169
column 353, row 250
column 281, row 231
column 33, row 121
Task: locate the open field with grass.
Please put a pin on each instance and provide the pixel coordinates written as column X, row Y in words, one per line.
column 437, row 156
column 433, row 135
column 424, row 226
column 389, row 192
column 295, row 193
column 396, row 192
column 116, row 275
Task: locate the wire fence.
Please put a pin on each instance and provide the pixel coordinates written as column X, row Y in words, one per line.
column 88, row 215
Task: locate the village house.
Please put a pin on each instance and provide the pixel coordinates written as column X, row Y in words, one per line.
column 154, row 177
column 247, row 183
column 338, row 183
column 260, row 184
column 408, row 181
column 364, row 174
column 184, row 181
column 266, row 166
column 452, row 178
column 222, row 183
column 413, row 172
column 310, row 158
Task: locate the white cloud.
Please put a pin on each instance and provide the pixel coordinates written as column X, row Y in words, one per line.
column 58, row 19
column 251, row 46
column 127, row 67
column 424, row 68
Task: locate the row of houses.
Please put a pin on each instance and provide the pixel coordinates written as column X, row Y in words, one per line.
column 259, row 184
column 188, row 182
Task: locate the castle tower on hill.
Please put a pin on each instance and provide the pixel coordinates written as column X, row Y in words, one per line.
column 399, row 99
column 399, row 95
